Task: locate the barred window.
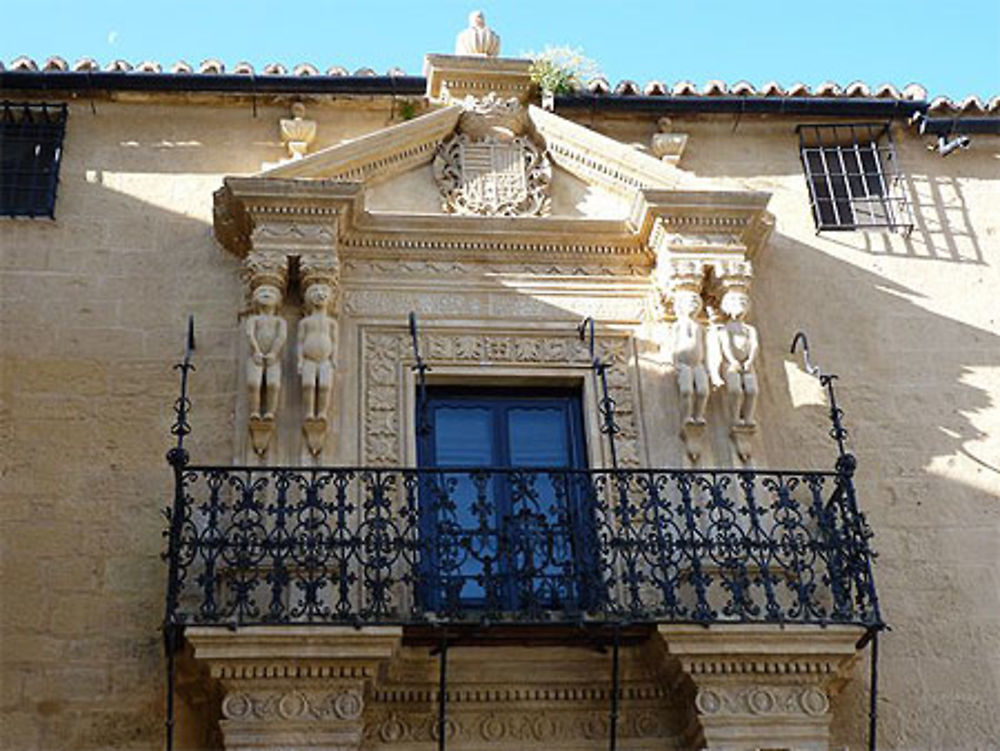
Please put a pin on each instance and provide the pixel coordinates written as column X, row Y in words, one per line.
column 31, row 137
column 853, row 177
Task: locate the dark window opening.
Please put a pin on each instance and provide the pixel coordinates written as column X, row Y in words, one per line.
column 504, row 519
column 31, row 137
column 853, row 177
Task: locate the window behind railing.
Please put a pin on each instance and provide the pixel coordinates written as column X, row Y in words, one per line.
column 853, row 176
column 31, row 138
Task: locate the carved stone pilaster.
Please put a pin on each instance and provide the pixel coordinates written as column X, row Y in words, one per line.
column 293, row 687
column 762, row 686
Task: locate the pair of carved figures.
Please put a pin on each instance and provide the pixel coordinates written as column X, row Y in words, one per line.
column 719, row 353
column 266, row 332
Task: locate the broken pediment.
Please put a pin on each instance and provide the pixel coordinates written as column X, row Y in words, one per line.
column 488, row 173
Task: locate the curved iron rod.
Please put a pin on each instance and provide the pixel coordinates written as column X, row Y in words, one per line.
column 606, row 404
column 420, row 368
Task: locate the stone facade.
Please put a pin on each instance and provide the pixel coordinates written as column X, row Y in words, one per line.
column 94, row 305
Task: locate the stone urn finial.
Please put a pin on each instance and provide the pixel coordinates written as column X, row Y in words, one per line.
column 479, row 39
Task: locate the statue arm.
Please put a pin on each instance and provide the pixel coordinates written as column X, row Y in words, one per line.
column 279, row 342
column 332, row 330
column 300, row 358
column 752, row 349
column 251, row 329
column 726, row 347
column 713, row 355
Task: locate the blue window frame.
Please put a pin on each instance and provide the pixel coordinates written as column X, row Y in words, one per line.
column 503, row 518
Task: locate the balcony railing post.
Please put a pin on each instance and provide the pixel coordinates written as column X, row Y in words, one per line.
column 176, row 514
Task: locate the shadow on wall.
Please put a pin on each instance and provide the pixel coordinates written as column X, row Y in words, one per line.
column 920, row 394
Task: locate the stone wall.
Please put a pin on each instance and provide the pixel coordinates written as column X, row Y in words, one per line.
column 93, row 310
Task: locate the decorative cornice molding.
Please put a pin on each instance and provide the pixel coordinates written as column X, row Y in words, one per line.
column 454, row 77
column 598, row 159
column 379, row 155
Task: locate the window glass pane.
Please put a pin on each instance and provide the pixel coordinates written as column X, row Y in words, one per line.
column 538, row 438
column 463, row 437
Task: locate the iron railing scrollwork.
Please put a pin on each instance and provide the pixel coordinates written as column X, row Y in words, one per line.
column 418, row 546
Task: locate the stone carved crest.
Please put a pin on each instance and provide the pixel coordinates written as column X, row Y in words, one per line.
column 490, row 167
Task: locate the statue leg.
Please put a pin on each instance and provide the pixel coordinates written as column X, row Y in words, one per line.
column 750, row 392
column 700, row 395
column 309, row 388
column 271, row 390
column 254, row 377
column 685, row 386
column 734, row 396
column 323, row 382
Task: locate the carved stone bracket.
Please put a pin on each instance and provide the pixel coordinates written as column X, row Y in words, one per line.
column 762, row 686
column 293, row 687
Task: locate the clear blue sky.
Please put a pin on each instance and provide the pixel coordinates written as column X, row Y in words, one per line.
column 952, row 47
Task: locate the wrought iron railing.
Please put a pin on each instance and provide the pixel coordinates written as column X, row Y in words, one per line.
column 426, row 546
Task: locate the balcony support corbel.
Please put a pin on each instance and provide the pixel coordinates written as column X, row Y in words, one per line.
column 761, row 686
column 293, row 686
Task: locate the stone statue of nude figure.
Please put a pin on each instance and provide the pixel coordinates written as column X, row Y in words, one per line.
column 738, row 345
column 688, row 356
column 266, row 332
column 317, row 350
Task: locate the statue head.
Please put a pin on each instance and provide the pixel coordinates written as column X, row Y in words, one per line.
column 319, row 295
column 266, row 297
column 735, row 303
column 477, row 19
column 687, row 303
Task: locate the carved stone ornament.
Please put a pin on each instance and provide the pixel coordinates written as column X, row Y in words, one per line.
column 489, row 167
column 297, row 132
column 478, row 38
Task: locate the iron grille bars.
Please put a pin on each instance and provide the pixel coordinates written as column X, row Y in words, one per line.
column 853, row 177
column 31, row 137
column 425, row 546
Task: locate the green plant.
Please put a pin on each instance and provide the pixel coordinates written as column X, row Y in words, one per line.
column 407, row 109
column 562, row 70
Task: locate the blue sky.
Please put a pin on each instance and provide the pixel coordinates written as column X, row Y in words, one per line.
column 951, row 48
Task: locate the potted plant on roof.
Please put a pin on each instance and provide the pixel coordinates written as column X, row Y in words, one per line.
column 560, row 70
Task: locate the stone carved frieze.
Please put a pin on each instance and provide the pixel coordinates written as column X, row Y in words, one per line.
column 762, row 700
column 385, row 352
column 267, row 706
column 536, row 725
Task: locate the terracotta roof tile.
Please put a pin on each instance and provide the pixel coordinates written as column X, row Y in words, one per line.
column 600, row 85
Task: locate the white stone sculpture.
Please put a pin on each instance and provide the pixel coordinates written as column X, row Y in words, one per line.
column 478, row 39
column 297, row 132
column 266, row 331
column 737, row 348
column 317, row 340
column 687, row 337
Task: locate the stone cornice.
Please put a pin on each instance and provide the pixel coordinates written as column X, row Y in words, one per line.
column 697, row 221
column 597, row 159
column 453, row 77
column 379, row 155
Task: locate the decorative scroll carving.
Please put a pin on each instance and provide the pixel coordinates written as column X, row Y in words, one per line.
column 762, row 700
column 383, row 353
column 392, row 725
column 264, row 706
column 478, row 38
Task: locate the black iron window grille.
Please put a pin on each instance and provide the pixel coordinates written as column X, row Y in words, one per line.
column 31, row 139
column 854, row 178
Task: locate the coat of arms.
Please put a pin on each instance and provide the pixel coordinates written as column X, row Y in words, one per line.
column 489, row 169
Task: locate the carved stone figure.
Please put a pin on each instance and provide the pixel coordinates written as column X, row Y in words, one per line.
column 297, row 132
column 478, row 39
column 688, row 356
column 266, row 331
column 737, row 347
column 317, row 340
